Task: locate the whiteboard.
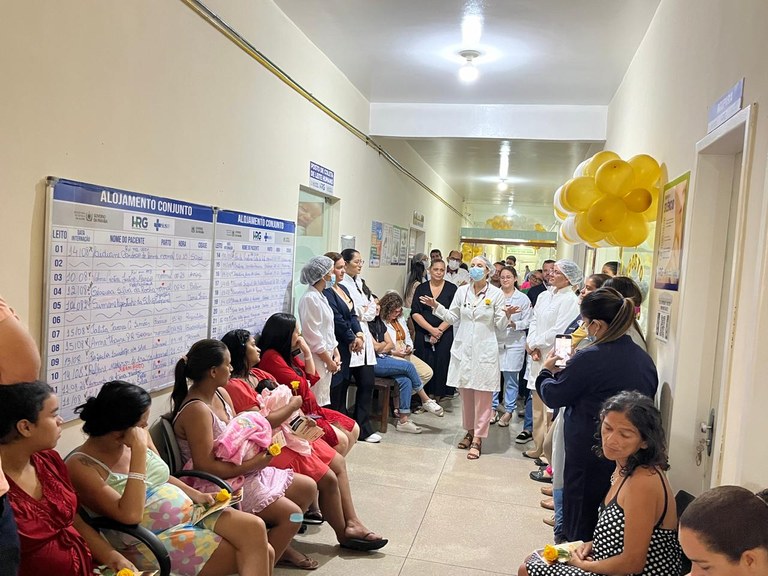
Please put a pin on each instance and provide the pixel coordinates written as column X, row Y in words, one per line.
column 253, row 271
column 128, row 279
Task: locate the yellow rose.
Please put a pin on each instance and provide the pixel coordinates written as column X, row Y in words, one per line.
column 487, row 301
column 550, row 553
column 275, row 450
column 223, row 495
column 125, row 572
column 295, row 384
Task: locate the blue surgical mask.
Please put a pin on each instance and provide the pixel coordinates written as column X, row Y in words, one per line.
column 589, row 337
column 332, row 281
column 476, row 273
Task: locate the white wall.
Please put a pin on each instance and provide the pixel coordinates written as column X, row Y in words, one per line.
column 694, row 51
column 145, row 96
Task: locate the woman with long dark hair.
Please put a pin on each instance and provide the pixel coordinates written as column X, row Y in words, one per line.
column 349, row 299
column 636, row 531
column 201, row 411
column 611, row 364
column 118, row 474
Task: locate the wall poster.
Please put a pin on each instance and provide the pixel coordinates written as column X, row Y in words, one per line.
column 671, row 240
column 377, row 234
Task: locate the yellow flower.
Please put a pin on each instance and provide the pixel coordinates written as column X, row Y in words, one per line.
column 487, row 301
column 275, row 450
column 223, row 495
column 295, row 384
column 125, row 572
column 550, row 553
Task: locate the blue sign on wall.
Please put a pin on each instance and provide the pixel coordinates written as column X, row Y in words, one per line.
column 321, row 178
column 726, row 106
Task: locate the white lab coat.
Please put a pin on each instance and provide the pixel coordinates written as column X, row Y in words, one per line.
column 393, row 333
column 317, row 328
column 512, row 340
column 553, row 313
column 365, row 308
column 475, row 351
column 460, row 277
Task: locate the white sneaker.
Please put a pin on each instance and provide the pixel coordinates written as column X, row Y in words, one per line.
column 373, row 438
column 409, row 427
column 434, row 408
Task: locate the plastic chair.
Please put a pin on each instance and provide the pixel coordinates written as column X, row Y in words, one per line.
column 152, row 542
column 165, row 441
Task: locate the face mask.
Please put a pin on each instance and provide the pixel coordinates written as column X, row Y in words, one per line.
column 589, row 337
column 453, row 264
column 332, row 281
column 476, row 273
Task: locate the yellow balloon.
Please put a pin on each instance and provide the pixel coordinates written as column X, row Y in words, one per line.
column 477, row 251
column 569, row 229
column 580, row 193
column 638, row 200
column 607, row 213
column 598, row 160
column 647, row 170
column 585, row 230
column 559, row 215
column 632, row 232
column 653, row 210
column 615, row 177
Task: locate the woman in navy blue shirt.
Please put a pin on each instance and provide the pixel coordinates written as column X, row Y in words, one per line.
column 612, row 363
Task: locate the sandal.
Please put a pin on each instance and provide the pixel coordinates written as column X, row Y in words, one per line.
column 474, row 446
column 495, row 418
column 504, row 420
column 364, row 544
column 465, row 442
column 305, row 563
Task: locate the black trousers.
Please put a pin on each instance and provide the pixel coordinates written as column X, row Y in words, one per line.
column 9, row 540
column 361, row 411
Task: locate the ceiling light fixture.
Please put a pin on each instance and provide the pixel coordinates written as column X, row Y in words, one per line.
column 502, row 186
column 468, row 72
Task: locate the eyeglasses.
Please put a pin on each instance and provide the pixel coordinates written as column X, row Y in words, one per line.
column 358, row 262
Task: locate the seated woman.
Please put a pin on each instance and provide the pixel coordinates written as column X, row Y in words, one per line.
column 636, row 530
column 117, row 473
column 54, row 539
column 327, row 467
column 394, row 363
column 280, row 342
column 724, row 532
column 200, row 414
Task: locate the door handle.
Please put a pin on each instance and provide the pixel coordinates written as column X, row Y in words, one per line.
column 708, row 428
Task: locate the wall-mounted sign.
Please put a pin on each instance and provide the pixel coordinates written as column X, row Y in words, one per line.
column 726, row 106
column 663, row 315
column 418, row 219
column 671, row 242
column 321, row 178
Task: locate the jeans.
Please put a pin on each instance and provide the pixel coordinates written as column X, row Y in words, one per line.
column 9, row 540
column 510, row 392
column 402, row 372
column 557, row 495
column 528, row 420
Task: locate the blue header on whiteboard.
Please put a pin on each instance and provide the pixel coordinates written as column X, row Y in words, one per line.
column 83, row 193
column 726, row 106
column 254, row 221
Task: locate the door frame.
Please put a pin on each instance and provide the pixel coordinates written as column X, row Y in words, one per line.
column 694, row 343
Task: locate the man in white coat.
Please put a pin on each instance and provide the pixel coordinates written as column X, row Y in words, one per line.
column 455, row 274
column 555, row 309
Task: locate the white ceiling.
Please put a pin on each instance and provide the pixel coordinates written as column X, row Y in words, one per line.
column 534, row 52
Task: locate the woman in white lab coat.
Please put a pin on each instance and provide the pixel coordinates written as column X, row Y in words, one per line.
column 511, row 344
column 480, row 310
column 317, row 328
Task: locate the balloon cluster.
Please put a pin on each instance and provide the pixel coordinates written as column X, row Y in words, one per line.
column 469, row 251
column 609, row 201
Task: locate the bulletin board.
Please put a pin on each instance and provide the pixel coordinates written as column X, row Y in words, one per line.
column 253, row 271
column 129, row 281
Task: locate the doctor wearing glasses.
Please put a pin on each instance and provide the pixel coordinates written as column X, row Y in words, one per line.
column 480, row 310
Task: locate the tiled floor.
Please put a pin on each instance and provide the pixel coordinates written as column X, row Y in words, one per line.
column 443, row 514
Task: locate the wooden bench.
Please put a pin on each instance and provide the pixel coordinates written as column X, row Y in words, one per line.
column 384, row 387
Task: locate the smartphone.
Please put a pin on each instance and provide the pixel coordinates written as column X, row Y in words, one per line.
column 562, row 349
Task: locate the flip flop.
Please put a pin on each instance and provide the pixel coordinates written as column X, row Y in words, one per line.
column 306, row 563
column 313, row 518
column 363, row 544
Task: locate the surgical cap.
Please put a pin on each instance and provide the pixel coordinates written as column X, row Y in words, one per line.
column 315, row 269
column 485, row 260
column 571, row 271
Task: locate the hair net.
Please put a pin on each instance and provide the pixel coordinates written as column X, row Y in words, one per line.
column 571, row 270
column 315, row 269
column 485, row 261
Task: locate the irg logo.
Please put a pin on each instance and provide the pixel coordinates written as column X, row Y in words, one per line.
column 140, row 222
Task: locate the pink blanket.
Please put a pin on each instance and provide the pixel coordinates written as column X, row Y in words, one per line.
column 244, row 437
column 275, row 399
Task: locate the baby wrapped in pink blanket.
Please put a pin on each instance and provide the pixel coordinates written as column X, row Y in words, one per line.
column 244, row 437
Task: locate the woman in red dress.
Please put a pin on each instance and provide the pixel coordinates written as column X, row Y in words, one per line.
column 327, row 467
column 281, row 344
column 54, row 539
